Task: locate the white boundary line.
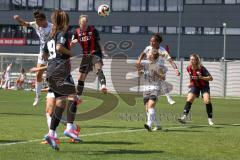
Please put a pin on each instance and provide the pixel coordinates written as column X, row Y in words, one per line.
column 116, row 132
column 84, row 135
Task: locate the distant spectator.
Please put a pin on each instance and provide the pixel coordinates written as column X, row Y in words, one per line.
column 7, row 77
column 21, row 79
column 2, row 80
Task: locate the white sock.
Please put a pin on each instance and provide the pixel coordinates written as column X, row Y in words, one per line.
column 168, row 96
column 55, row 135
column 70, row 126
column 156, row 122
column 151, row 116
column 38, row 88
column 49, row 118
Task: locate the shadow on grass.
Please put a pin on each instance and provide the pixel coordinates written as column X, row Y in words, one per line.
column 9, row 141
column 22, row 114
column 111, row 142
column 104, row 126
column 106, row 142
column 116, row 151
column 204, row 126
column 181, row 130
column 231, row 125
column 125, row 151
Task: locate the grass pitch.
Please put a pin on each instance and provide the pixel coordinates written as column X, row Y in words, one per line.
column 119, row 134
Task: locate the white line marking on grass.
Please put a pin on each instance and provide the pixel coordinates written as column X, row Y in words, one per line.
column 83, row 135
column 123, row 131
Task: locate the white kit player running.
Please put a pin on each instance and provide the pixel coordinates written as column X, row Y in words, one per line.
column 163, row 56
column 43, row 29
column 153, row 75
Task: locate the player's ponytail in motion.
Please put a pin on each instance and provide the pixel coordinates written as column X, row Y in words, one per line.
column 39, row 15
column 196, row 56
column 158, row 37
column 60, row 20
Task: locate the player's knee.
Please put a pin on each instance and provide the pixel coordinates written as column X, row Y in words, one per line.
column 49, row 110
column 206, row 101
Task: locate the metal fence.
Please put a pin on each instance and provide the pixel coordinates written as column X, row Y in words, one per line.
column 122, row 77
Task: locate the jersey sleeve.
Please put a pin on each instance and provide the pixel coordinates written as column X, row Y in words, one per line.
column 33, row 25
column 164, row 53
column 205, row 72
column 61, row 38
column 146, row 50
column 75, row 35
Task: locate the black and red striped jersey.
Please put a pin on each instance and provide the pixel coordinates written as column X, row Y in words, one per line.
column 194, row 80
column 88, row 39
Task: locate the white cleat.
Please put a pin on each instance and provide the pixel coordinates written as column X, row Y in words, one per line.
column 36, row 101
column 171, row 101
column 157, row 128
column 182, row 119
column 103, row 88
column 210, row 122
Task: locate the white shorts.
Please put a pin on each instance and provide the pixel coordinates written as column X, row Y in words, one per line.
column 50, row 95
column 40, row 59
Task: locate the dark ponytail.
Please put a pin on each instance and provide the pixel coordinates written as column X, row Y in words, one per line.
column 39, row 15
column 158, row 37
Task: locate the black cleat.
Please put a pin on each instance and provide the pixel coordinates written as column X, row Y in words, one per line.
column 148, row 127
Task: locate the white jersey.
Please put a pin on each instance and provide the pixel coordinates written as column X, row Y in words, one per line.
column 163, row 54
column 151, row 80
column 43, row 33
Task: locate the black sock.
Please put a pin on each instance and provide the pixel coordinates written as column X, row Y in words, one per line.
column 101, row 77
column 209, row 110
column 80, row 87
column 56, row 117
column 187, row 108
column 71, row 111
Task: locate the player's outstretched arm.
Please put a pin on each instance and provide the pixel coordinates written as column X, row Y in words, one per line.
column 36, row 69
column 21, row 21
column 173, row 64
column 140, row 58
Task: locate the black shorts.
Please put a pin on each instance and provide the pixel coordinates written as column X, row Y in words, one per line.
column 197, row 90
column 87, row 63
column 59, row 79
column 56, row 95
column 149, row 97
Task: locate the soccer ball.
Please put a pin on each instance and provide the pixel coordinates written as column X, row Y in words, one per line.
column 103, row 10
